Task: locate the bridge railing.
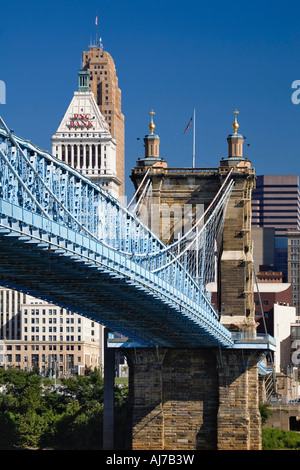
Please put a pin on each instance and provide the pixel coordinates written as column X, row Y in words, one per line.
column 37, row 181
column 252, row 337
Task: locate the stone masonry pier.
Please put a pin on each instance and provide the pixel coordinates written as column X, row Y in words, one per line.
column 201, row 399
column 194, row 400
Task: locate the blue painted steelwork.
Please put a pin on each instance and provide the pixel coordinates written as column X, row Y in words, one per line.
column 246, row 340
column 159, row 299
column 66, row 240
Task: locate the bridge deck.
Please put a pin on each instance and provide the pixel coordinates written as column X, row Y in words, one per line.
column 65, row 240
column 63, row 270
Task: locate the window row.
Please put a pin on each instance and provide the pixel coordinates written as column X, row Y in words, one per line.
column 87, row 155
column 47, row 312
column 51, row 321
column 36, row 347
column 18, row 358
column 52, row 338
column 52, row 329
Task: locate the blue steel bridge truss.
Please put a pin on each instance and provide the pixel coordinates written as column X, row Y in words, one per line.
column 67, row 241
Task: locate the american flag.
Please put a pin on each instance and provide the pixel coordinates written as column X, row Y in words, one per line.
column 187, row 127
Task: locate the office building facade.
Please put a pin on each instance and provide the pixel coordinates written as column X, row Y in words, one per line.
column 293, row 263
column 54, row 340
column 276, row 204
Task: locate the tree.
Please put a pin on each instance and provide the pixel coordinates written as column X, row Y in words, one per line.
column 33, row 414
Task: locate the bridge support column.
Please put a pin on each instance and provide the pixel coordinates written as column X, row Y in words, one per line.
column 174, row 398
column 194, row 399
column 145, row 388
column 239, row 421
column 108, row 398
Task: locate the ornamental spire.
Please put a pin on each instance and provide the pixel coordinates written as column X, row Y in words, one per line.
column 235, row 125
column 152, row 125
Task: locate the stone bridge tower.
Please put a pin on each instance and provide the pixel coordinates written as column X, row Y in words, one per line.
column 200, row 398
column 236, row 302
column 177, row 198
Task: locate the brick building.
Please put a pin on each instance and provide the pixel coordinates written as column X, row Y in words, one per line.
column 271, row 293
column 107, row 94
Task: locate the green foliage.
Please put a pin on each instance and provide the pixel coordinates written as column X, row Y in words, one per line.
column 265, row 412
column 8, row 432
column 276, row 439
column 81, row 429
column 31, row 427
column 34, row 415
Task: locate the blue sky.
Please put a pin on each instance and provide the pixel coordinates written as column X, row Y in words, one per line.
column 172, row 56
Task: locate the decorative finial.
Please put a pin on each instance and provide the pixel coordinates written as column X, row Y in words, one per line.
column 235, row 125
column 151, row 125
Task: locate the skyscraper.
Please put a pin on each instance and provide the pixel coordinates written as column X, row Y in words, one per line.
column 293, row 263
column 104, row 85
column 83, row 139
column 276, row 203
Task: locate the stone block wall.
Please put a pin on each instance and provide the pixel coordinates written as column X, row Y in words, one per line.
column 203, row 399
column 193, row 399
column 239, row 421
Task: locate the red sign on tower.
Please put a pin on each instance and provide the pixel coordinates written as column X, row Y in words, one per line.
column 80, row 121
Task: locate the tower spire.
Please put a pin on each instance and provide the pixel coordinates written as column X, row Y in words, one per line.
column 235, row 125
column 152, row 125
column 235, row 141
column 151, row 141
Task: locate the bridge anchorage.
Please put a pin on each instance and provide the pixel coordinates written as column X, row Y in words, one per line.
column 65, row 240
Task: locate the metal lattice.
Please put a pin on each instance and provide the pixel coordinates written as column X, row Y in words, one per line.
column 34, row 180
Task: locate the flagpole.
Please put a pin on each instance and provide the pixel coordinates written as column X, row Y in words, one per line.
column 194, row 146
column 96, row 23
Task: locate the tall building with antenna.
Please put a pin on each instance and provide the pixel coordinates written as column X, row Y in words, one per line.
column 104, row 85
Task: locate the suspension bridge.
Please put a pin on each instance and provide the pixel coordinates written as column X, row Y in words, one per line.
column 67, row 241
